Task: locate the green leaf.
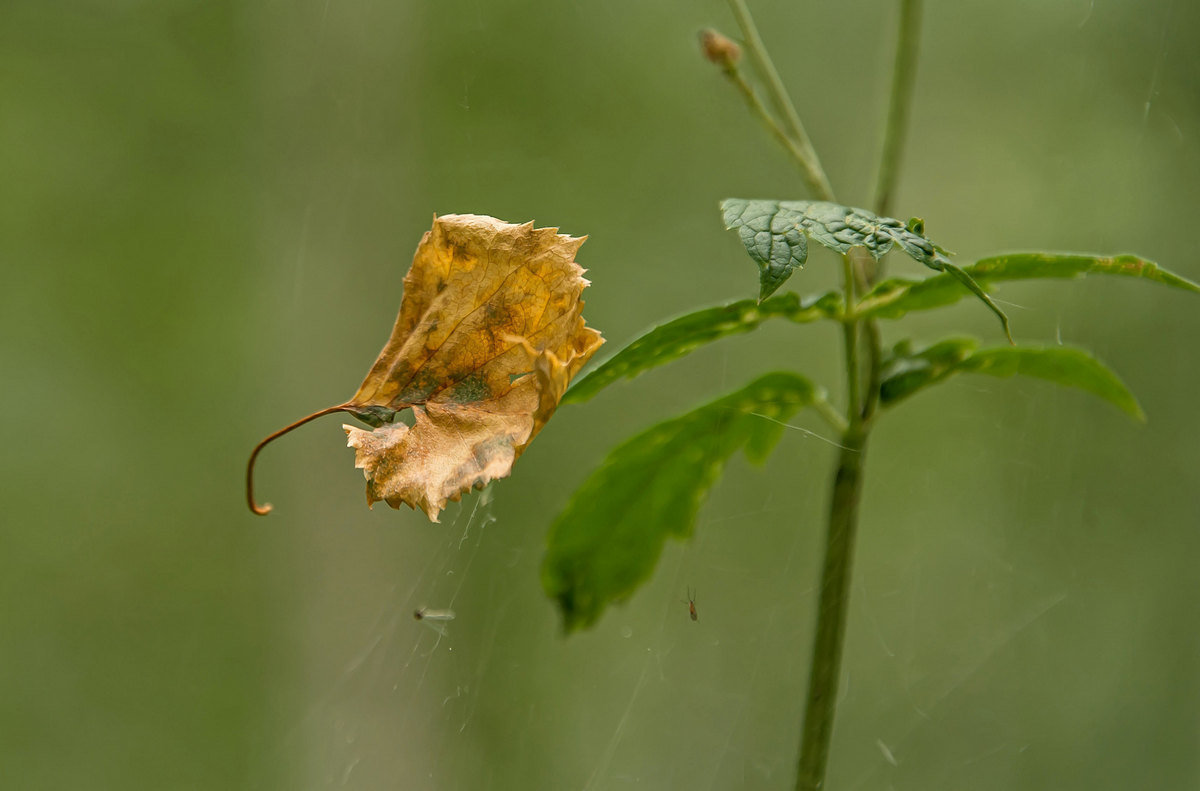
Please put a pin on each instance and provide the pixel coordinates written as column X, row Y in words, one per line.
column 685, row 334
column 893, row 298
column 967, row 281
column 608, row 539
column 906, row 372
column 773, row 233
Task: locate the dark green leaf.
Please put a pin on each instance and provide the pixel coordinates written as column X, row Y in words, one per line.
column 891, row 299
column 683, row 335
column 773, row 233
column 608, row 539
column 969, row 283
column 906, row 372
column 776, row 245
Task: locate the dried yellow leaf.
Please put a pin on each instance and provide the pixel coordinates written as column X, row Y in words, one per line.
column 489, row 335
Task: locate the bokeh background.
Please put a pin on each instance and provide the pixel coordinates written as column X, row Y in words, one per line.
column 206, row 210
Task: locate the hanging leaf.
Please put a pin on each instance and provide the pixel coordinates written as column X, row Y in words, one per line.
column 685, row 334
column 895, row 297
column 773, row 232
column 489, row 335
column 607, row 540
column 906, row 371
column 776, row 243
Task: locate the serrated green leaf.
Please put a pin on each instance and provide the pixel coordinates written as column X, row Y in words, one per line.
column 607, row 540
column 907, row 372
column 685, row 334
column 773, row 233
column 779, row 248
column 893, row 298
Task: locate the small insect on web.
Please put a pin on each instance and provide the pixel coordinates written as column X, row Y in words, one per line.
column 435, row 619
column 691, row 603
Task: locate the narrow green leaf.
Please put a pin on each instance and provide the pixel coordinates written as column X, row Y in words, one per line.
column 976, row 289
column 685, row 334
column 608, row 539
column 893, row 298
column 907, row 372
column 1061, row 365
column 773, row 233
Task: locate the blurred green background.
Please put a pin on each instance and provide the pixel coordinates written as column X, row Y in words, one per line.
column 206, row 210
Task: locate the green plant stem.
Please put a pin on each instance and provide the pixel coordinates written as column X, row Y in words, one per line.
column 904, row 74
column 865, row 271
column 810, row 163
column 763, row 114
column 832, row 607
column 859, row 274
column 850, row 325
column 874, row 370
column 821, row 700
column 863, row 355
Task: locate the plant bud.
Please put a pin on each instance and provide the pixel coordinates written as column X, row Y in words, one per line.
column 719, row 49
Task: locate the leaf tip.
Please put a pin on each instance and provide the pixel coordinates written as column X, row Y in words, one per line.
column 1187, row 285
column 1003, row 320
column 766, row 289
column 1134, row 410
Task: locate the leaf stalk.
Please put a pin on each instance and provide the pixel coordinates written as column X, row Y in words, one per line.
column 792, row 146
column 265, row 508
column 803, row 152
column 829, row 414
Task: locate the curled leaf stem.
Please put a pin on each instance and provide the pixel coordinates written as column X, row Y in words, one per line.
column 265, row 508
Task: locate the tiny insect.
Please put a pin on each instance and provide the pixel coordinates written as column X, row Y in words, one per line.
column 691, row 603
column 434, row 619
column 425, row 614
